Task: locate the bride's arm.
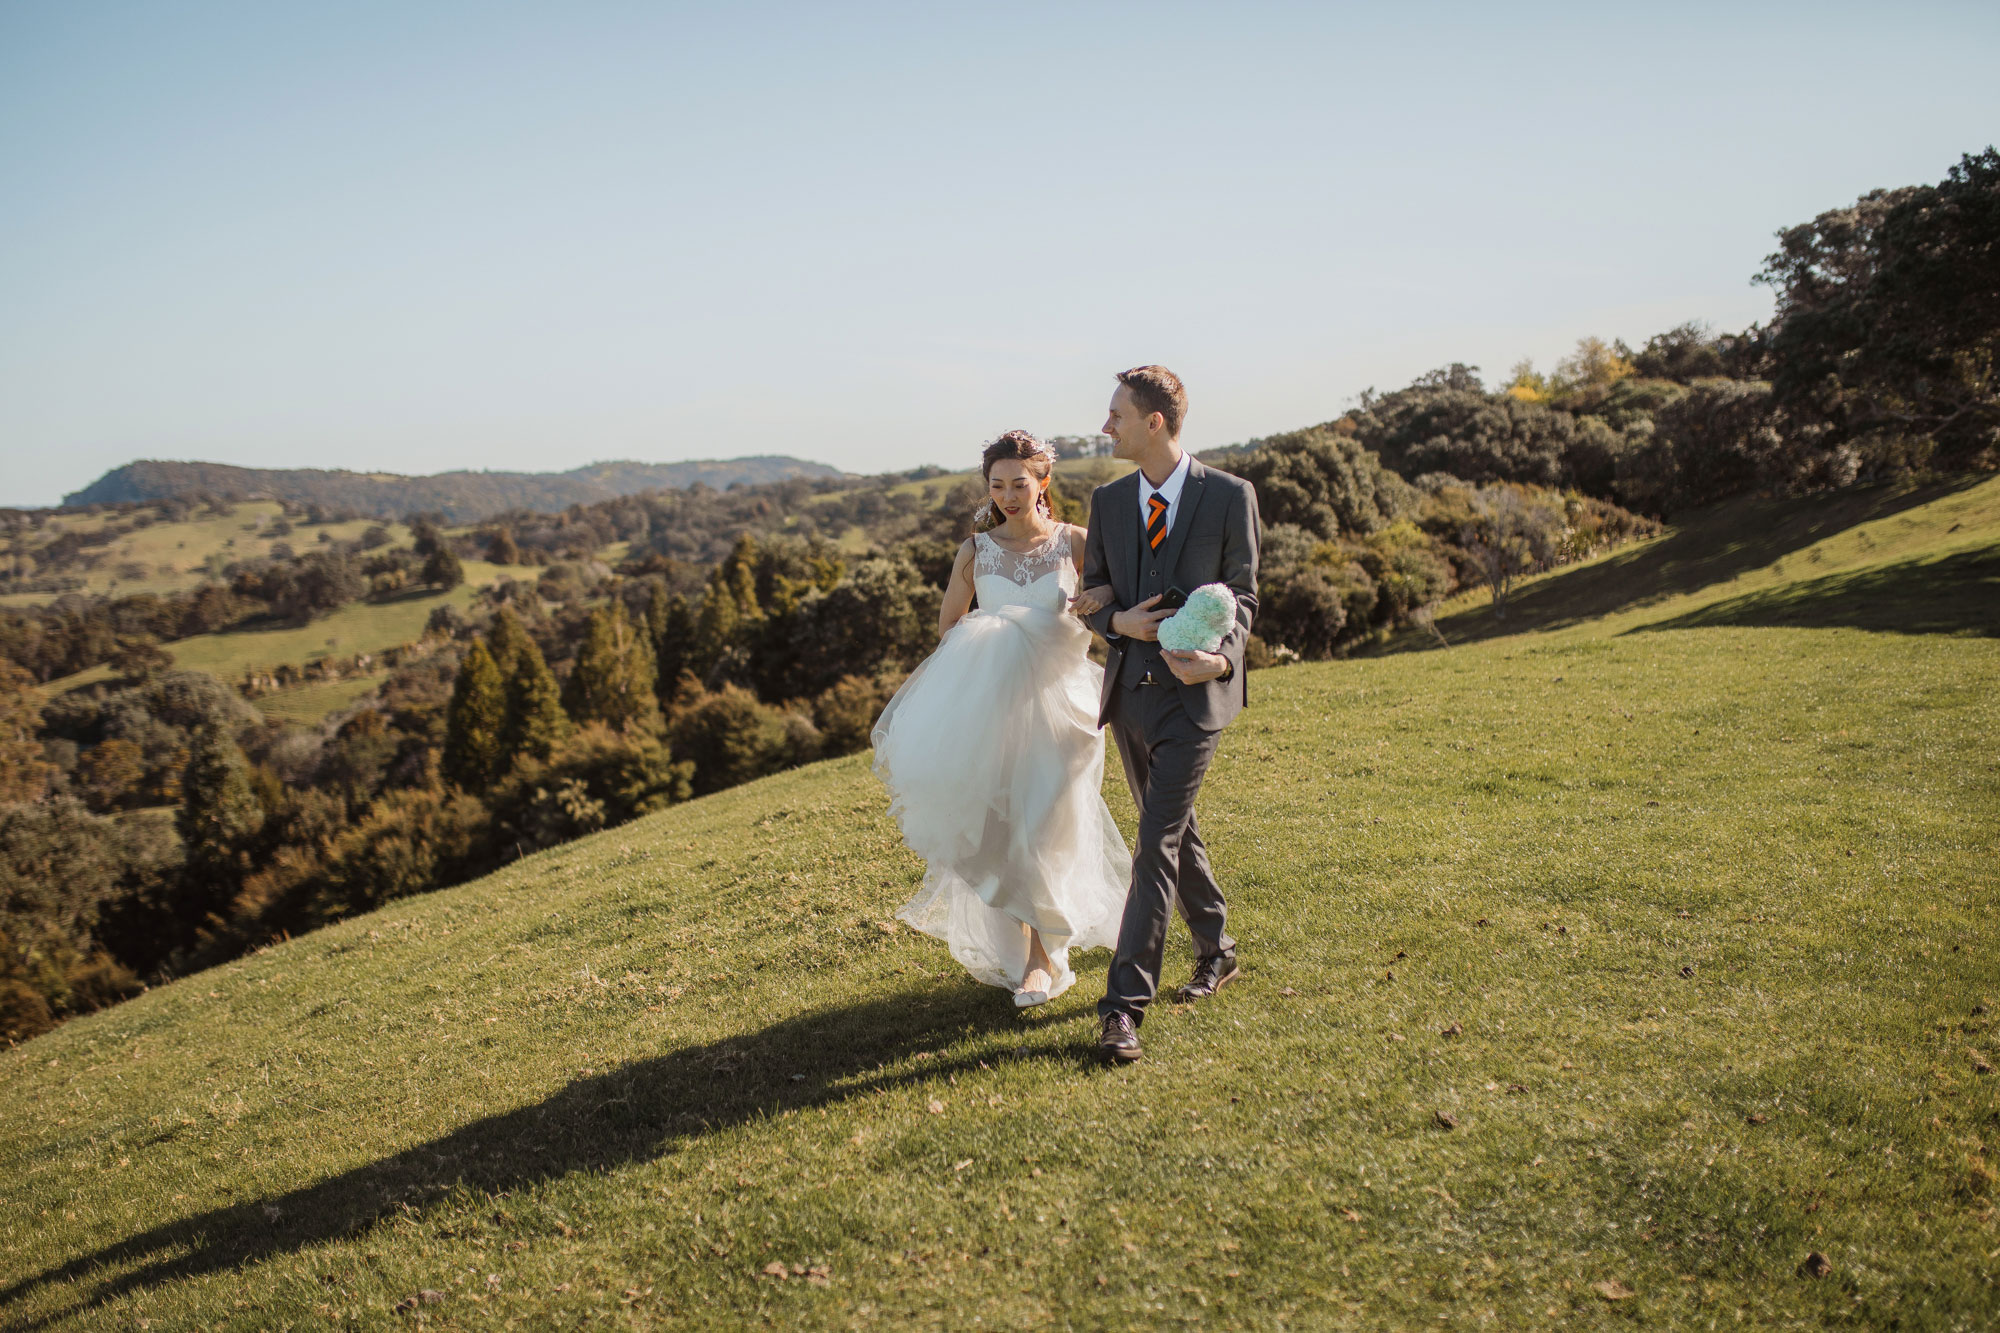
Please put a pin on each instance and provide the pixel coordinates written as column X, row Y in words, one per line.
column 1090, row 601
column 957, row 591
column 1079, row 539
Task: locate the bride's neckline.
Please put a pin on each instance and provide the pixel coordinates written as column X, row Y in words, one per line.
column 1054, row 532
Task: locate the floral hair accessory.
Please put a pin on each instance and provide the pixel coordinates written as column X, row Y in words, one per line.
column 1035, row 443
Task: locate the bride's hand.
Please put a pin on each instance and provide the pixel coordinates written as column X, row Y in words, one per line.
column 1091, row 600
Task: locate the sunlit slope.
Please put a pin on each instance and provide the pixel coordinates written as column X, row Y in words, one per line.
column 1911, row 559
column 1686, row 932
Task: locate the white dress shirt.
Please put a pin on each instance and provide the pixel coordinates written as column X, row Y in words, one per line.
column 1168, row 490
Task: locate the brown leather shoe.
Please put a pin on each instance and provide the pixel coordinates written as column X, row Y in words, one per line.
column 1211, row 974
column 1118, row 1041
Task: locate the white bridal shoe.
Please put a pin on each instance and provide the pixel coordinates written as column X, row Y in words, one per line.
column 1030, row 993
column 1028, row 996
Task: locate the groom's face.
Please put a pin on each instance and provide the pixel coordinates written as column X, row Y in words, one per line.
column 1131, row 430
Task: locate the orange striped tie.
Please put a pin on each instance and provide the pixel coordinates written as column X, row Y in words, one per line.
column 1156, row 522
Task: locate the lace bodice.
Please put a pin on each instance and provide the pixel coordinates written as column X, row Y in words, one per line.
column 1044, row 577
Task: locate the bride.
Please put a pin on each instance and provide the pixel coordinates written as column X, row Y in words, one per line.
column 992, row 755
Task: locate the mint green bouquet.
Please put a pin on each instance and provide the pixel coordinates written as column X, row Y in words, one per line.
column 1201, row 625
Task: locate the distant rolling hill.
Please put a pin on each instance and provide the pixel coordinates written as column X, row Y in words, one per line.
column 461, row 497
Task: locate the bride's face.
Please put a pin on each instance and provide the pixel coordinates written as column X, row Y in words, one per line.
column 1013, row 488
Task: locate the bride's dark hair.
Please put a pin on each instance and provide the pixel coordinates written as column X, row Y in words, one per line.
column 1022, row 447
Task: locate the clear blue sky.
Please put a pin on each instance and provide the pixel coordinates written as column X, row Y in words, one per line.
column 415, row 237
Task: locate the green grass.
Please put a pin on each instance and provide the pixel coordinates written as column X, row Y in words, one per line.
column 1708, row 912
column 358, row 627
column 310, row 704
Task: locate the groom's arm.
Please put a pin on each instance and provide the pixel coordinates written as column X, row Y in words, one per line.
column 1239, row 568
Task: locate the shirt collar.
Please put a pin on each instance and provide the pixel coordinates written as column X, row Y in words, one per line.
column 1170, row 489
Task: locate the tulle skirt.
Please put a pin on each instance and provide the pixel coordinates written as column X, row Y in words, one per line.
column 995, row 767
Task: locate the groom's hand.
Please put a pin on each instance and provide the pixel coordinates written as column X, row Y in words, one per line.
column 1192, row 667
column 1141, row 621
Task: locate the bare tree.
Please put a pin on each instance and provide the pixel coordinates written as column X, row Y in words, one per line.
column 1512, row 531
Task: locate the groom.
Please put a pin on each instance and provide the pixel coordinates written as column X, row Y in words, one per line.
column 1171, row 526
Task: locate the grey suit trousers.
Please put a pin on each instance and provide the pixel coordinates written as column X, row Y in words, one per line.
column 1165, row 756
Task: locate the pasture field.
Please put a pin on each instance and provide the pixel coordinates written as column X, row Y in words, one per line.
column 1632, row 963
column 173, row 557
column 358, row 627
column 309, row 704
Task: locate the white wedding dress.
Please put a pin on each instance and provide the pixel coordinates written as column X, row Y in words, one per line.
column 995, row 766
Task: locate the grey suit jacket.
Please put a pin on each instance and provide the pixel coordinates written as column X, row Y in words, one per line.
column 1213, row 540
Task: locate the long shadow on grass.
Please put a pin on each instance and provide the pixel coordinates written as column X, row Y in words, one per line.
column 1952, row 594
column 1706, row 547
column 622, row 1116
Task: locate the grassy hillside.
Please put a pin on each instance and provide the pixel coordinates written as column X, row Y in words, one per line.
column 1598, row 974
column 178, row 555
column 175, row 556
column 1904, row 559
column 358, row 627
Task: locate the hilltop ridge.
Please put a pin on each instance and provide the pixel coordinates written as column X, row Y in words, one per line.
column 461, row 497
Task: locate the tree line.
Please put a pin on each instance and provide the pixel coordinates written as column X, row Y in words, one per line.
column 1881, row 361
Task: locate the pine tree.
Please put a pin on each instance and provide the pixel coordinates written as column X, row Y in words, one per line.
column 614, row 676
column 443, row 570
column 23, row 773
column 656, row 609
column 535, row 720
column 475, row 721
column 673, row 645
column 716, row 626
column 739, row 572
column 507, row 638
column 219, row 815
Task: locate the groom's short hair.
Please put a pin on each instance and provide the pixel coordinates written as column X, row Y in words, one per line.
column 1157, row 389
